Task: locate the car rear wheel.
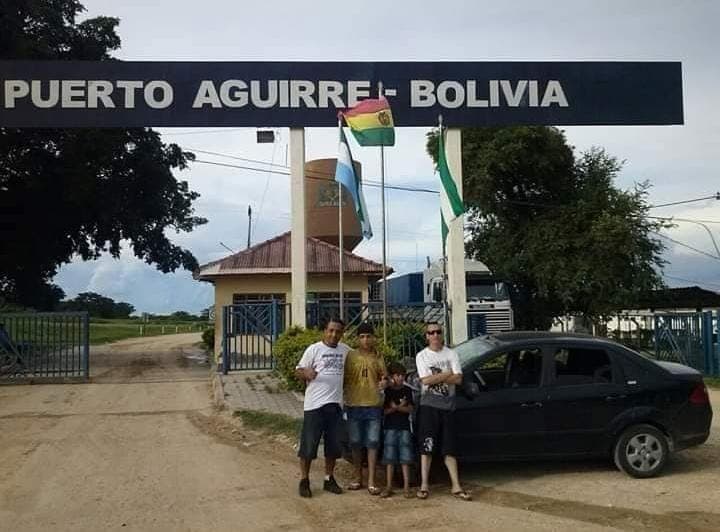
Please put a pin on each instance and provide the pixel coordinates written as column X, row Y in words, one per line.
column 641, row 451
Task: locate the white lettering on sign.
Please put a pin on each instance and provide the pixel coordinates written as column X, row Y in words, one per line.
column 281, row 94
column 87, row 94
column 503, row 92
column 421, row 93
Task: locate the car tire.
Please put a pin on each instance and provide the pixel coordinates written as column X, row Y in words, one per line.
column 641, row 451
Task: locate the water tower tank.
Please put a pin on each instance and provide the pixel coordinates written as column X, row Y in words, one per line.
column 322, row 205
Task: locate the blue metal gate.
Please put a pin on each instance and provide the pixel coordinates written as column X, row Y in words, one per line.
column 250, row 330
column 44, row 345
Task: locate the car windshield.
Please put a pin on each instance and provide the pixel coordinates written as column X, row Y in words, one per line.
column 472, row 349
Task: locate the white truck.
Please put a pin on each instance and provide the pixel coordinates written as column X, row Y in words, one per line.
column 486, row 296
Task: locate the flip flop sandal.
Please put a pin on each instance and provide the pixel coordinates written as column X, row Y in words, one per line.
column 422, row 494
column 462, row 495
column 384, row 494
column 408, row 494
column 354, row 486
column 374, row 490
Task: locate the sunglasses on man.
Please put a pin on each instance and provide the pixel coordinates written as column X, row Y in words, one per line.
column 434, row 332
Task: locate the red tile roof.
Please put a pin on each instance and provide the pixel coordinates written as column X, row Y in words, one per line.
column 273, row 256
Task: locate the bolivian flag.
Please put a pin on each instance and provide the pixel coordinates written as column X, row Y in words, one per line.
column 371, row 122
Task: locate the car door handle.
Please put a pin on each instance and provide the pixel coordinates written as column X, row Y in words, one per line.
column 611, row 398
column 536, row 404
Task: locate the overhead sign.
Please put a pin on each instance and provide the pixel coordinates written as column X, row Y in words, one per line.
column 309, row 94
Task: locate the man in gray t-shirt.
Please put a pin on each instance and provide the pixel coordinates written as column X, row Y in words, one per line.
column 439, row 371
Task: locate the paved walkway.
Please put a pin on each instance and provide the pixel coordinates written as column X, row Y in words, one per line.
column 260, row 390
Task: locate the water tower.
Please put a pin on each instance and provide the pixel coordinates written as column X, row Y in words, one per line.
column 322, row 205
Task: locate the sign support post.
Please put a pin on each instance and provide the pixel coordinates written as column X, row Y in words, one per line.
column 298, row 234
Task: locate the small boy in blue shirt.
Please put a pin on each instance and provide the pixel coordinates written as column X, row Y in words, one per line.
column 397, row 445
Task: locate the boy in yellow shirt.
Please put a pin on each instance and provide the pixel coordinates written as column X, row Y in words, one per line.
column 363, row 384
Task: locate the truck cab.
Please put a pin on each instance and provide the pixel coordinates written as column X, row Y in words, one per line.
column 488, row 300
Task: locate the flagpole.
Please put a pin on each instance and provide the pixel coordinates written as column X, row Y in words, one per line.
column 446, row 314
column 340, row 241
column 384, row 235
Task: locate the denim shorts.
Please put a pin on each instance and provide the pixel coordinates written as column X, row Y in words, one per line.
column 397, row 447
column 321, row 422
column 364, row 427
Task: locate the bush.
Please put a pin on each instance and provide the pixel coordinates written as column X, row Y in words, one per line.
column 208, row 339
column 288, row 350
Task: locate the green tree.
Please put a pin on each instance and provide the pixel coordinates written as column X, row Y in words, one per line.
column 66, row 192
column 98, row 306
column 556, row 227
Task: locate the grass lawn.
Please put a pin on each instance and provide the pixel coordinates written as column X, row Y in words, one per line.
column 106, row 331
column 713, row 382
column 273, row 423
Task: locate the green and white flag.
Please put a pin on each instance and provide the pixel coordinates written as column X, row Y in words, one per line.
column 451, row 204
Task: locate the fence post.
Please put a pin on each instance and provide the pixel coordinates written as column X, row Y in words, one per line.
column 225, row 346
column 86, row 349
column 707, row 342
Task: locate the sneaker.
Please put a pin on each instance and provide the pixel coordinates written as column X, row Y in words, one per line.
column 332, row 486
column 304, row 488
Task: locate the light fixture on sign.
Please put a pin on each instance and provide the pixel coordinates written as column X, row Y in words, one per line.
column 265, row 136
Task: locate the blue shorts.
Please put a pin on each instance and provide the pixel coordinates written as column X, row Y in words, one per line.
column 397, row 447
column 364, row 426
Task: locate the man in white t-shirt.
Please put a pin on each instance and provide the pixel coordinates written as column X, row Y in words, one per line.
column 322, row 367
column 439, row 371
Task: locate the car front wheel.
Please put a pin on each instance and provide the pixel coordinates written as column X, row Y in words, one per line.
column 641, row 451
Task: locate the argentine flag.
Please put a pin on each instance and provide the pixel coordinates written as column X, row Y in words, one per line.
column 345, row 174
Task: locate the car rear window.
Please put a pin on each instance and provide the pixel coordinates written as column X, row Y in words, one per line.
column 580, row 365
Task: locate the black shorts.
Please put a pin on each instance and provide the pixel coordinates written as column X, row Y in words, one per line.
column 321, row 422
column 436, row 431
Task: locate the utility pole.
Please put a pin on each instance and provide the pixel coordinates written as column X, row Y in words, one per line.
column 249, row 224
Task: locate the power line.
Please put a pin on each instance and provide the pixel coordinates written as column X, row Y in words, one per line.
column 687, row 246
column 320, row 177
column 226, row 130
column 715, row 196
column 237, row 158
column 691, row 280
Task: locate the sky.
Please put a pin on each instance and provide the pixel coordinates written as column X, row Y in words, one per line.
column 680, row 162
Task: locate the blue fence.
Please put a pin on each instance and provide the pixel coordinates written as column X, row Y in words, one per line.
column 689, row 338
column 40, row 345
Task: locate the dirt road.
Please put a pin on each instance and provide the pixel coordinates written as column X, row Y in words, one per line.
column 141, row 448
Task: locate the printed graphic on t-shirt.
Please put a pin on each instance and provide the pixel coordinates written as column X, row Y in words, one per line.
column 333, row 363
column 440, row 388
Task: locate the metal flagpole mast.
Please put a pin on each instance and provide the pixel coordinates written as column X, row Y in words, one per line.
column 384, row 236
column 340, row 239
column 446, row 314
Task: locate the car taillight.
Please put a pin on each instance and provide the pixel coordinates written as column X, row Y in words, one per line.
column 699, row 395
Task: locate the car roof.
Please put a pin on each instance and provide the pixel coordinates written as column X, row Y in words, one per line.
column 545, row 337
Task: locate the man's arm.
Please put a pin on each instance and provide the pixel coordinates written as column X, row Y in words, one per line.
column 455, row 369
column 454, row 378
column 438, row 378
column 305, row 374
column 304, row 370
